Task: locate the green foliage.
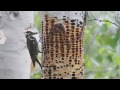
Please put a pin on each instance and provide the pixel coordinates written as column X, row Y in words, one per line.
column 36, row 75
column 102, row 58
column 37, row 20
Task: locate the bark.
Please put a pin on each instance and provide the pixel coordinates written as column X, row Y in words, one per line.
column 62, row 44
column 14, row 56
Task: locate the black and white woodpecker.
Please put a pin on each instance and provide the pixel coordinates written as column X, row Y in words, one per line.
column 32, row 46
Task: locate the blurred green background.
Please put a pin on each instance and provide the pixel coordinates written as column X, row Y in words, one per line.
column 101, row 46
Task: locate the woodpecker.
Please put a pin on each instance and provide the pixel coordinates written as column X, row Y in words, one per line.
column 32, row 46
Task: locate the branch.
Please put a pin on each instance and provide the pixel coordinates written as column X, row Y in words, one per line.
column 94, row 19
column 104, row 21
column 92, row 15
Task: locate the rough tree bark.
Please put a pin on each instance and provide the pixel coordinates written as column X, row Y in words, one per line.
column 62, row 44
column 15, row 61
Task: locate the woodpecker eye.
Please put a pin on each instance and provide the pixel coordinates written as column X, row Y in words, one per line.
column 28, row 33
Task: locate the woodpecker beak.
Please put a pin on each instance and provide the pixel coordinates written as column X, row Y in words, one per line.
column 34, row 33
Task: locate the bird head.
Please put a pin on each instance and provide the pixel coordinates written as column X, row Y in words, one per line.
column 30, row 33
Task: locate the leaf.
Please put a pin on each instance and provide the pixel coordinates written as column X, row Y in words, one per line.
column 101, row 50
column 104, row 28
column 107, row 22
column 118, row 34
column 36, row 76
column 117, row 59
column 99, row 58
column 109, row 57
column 108, row 39
column 87, row 31
column 97, row 75
column 88, row 64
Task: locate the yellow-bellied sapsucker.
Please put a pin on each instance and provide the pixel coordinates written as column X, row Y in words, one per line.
column 32, row 46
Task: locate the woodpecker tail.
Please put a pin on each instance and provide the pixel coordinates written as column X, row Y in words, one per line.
column 39, row 63
column 33, row 61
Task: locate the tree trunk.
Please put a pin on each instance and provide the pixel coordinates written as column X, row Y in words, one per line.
column 62, row 44
column 15, row 60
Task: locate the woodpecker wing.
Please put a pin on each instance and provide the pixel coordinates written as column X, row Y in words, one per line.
column 31, row 44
